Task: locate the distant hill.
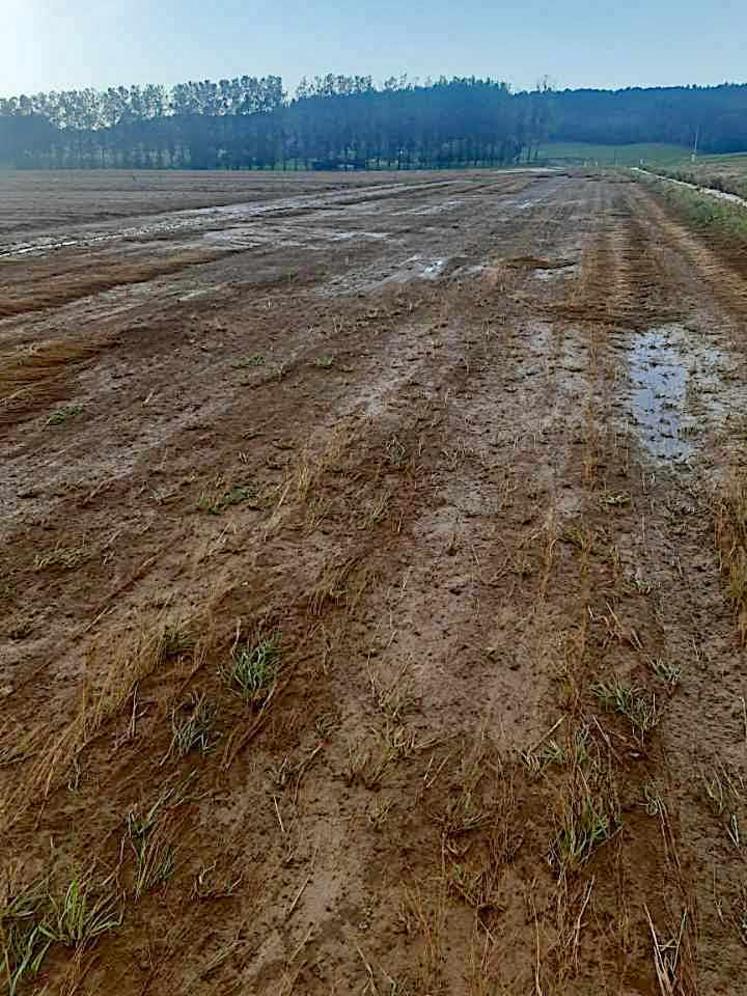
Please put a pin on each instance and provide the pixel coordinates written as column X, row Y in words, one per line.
column 715, row 116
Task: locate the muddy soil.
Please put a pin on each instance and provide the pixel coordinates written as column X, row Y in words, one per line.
column 46, row 201
column 371, row 607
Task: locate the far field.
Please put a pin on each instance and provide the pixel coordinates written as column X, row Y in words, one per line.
column 590, row 154
column 727, row 172
column 374, row 589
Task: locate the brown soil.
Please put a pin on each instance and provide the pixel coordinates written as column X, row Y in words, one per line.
column 469, row 448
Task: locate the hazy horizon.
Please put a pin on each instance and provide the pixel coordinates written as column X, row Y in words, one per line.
column 57, row 45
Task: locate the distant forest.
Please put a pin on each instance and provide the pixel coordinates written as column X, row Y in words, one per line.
column 338, row 122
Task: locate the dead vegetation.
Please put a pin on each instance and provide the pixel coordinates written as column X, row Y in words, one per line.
column 730, row 514
column 40, row 375
column 49, row 287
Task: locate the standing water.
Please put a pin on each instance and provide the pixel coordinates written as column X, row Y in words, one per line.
column 659, row 384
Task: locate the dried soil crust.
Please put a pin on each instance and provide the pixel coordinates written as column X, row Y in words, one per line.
column 454, row 439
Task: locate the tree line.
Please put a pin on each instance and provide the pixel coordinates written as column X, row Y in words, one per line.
column 250, row 122
column 338, row 121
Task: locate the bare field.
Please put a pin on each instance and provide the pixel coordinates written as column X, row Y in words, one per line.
column 374, row 588
column 37, row 200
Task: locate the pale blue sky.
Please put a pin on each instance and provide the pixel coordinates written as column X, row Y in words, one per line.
column 48, row 44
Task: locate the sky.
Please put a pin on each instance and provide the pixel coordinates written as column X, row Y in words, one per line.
column 60, row 44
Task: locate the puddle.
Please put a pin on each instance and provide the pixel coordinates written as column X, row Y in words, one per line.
column 556, row 272
column 450, row 204
column 418, row 267
column 659, row 386
column 247, row 235
column 434, row 270
column 45, row 247
column 201, row 292
column 684, row 388
column 413, row 268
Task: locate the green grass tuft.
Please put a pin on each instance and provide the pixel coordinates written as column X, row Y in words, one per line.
column 635, row 704
column 253, row 667
column 23, row 944
column 33, row 919
column 236, row 495
column 255, row 360
column 585, row 826
column 174, row 641
column 666, row 671
column 82, row 913
column 191, row 726
column 63, row 414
